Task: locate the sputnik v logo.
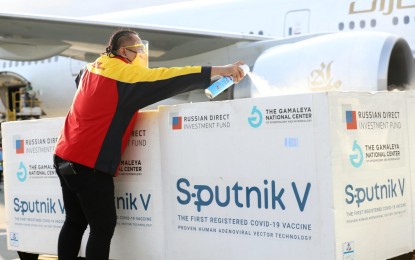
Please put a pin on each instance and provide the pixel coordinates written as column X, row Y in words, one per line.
column 256, row 119
column 22, row 174
column 356, row 159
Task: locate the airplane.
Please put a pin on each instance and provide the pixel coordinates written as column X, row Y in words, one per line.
column 356, row 45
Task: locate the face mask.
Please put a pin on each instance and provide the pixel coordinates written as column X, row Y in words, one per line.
column 141, row 59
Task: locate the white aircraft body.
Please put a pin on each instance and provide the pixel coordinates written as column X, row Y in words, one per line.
column 305, row 45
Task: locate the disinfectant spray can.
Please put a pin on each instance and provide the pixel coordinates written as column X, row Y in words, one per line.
column 223, row 83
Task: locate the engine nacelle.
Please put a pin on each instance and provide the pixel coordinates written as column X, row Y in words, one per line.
column 355, row 61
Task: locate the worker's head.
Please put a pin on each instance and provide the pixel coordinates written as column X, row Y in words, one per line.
column 127, row 44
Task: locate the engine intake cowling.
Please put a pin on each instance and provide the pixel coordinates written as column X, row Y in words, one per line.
column 355, row 61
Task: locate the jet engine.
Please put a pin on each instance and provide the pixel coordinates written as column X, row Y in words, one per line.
column 355, row 61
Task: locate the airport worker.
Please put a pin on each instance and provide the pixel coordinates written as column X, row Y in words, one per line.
column 110, row 92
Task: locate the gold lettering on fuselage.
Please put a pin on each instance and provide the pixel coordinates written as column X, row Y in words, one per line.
column 385, row 6
column 401, row 6
column 321, row 79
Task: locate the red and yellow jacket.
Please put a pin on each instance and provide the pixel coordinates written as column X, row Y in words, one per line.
column 103, row 111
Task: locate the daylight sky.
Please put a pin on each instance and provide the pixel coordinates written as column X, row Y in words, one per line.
column 76, row 8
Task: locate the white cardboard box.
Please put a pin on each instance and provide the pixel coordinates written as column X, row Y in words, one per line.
column 31, row 184
column 268, row 178
column 283, row 178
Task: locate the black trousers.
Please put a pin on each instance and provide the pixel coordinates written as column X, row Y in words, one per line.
column 88, row 197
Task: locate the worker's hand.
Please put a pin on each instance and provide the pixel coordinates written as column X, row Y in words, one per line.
column 232, row 70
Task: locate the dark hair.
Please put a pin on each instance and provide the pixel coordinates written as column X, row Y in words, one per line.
column 118, row 39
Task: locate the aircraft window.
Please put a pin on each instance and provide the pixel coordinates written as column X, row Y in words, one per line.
column 261, row 32
column 341, row 26
column 4, row 65
column 373, row 23
column 406, row 19
column 395, row 20
column 10, row 63
column 56, row 58
column 16, row 64
column 35, row 61
column 351, row 25
column 362, row 24
column 23, row 63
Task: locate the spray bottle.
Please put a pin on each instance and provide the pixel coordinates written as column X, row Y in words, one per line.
column 223, row 83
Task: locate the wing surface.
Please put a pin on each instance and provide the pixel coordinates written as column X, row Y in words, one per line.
column 32, row 37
